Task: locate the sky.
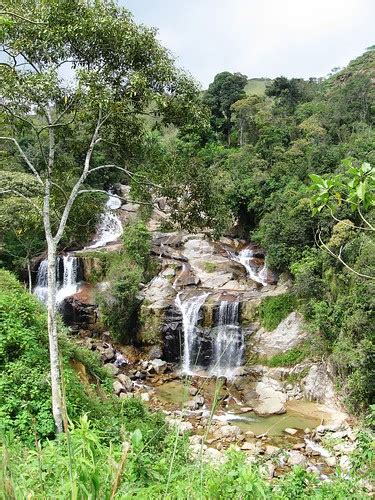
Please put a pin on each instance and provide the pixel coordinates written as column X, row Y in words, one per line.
column 260, row 38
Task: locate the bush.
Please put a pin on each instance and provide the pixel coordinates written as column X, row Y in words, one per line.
column 126, row 270
column 288, row 358
column 273, row 310
column 25, row 392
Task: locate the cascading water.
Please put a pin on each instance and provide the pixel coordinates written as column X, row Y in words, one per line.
column 109, row 228
column 246, row 258
column 41, row 287
column 66, row 276
column 190, row 314
column 69, row 284
column 228, row 343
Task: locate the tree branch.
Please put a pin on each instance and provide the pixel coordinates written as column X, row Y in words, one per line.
column 81, row 180
column 29, row 200
column 339, row 258
column 23, row 154
column 370, row 227
column 18, row 16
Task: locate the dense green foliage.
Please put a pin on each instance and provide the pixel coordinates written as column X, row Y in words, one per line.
column 126, row 269
column 273, row 310
column 288, row 358
column 86, row 467
column 266, row 165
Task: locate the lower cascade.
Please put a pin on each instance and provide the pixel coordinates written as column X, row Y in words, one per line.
column 190, row 315
column 228, row 342
column 227, row 337
column 67, row 274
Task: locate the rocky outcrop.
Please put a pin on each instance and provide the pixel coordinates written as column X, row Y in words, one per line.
column 318, row 385
column 288, row 334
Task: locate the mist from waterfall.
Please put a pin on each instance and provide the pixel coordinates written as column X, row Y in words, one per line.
column 190, row 315
column 66, row 276
column 228, row 341
column 109, row 228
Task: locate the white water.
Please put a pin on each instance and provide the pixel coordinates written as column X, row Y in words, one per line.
column 228, row 342
column 41, row 287
column 109, row 228
column 190, row 314
column 67, row 284
column 245, row 257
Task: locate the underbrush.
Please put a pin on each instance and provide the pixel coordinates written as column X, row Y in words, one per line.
column 82, row 464
column 273, row 310
column 288, row 358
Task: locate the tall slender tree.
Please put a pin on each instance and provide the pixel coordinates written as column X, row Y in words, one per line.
column 81, row 66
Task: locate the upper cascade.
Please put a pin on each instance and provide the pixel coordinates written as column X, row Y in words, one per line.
column 246, row 257
column 109, row 228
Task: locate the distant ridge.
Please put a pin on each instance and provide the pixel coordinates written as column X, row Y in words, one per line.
column 257, row 86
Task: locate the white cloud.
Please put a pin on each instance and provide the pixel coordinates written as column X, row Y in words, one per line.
column 260, row 37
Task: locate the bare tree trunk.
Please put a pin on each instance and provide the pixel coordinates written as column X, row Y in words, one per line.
column 52, row 337
column 29, row 275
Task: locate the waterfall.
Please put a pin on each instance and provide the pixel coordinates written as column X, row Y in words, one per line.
column 245, row 257
column 109, row 228
column 228, row 343
column 41, row 287
column 190, row 314
column 69, row 283
column 66, row 277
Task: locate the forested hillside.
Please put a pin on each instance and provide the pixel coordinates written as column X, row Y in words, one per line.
column 198, row 255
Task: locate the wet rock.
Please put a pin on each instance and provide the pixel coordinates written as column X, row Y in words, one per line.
column 246, row 409
column 299, row 446
column 125, row 381
column 296, row 458
column 130, row 207
column 228, row 431
column 271, row 450
column 108, row 354
column 117, row 387
column 331, row 461
column 291, row 431
column 111, row 368
column 155, row 352
column 250, row 434
column 250, row 447
column 345, row 463
column 140, row 375
column 271, row 400
column 158, row 365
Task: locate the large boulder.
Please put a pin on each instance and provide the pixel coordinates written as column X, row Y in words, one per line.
column 288, row 334
column 271, row 399
column 318, row 385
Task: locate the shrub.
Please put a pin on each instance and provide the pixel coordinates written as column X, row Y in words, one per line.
column 273, row 310
column 288, row 358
